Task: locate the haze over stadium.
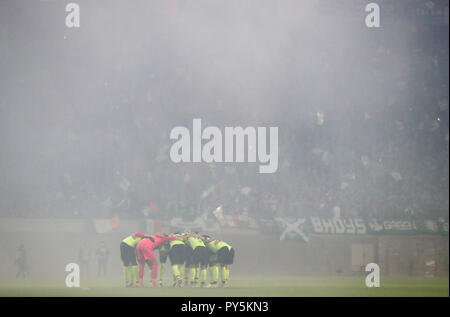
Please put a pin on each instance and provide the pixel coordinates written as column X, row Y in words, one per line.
column 363, row 142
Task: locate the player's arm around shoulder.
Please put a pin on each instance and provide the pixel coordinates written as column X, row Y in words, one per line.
column 139, row 235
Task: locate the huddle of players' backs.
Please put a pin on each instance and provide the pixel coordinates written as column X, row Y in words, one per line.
column 165, row 242
column 194, row 240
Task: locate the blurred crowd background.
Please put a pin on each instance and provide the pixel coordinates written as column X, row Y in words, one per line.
column 86, row 113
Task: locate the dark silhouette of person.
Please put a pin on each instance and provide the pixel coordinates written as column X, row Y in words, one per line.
column 102, row 254
column 21, row 262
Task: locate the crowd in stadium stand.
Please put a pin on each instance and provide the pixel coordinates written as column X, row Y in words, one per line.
column 392, row 161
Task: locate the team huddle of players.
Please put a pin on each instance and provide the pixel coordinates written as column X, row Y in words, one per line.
column 190, row 256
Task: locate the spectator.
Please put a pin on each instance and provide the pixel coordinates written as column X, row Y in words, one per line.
column 102, row 254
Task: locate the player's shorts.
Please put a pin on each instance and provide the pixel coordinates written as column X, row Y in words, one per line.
column 199, row 256
column 145, row 253
column 127, row 254
column 212, row 258
column 225, row 256
column 177, row 254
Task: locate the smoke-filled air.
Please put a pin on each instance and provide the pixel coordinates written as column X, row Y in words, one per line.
column 260, row 147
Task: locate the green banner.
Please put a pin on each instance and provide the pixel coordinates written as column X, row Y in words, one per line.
column 407, row 226
column 301, row 228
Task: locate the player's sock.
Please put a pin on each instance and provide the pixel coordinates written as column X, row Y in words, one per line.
column 161, row 270
column 141, row 273
column 179, row 280
column 176, row 271
column 186, row 273
column 192, row 274
column 197, row 274
column 225, row 274
column 154, row 273
column 127, row 275
column 134, row 274
column 214, row 271
column 204, row 274
column 182, row 273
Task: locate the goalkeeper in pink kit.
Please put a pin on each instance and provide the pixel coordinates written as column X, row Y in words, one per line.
column 145, row 254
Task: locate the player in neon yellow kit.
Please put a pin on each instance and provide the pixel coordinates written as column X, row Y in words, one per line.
column 128, row 256
column 224, row 259
column 198, row 259
column 177, row 251
column 163, row 255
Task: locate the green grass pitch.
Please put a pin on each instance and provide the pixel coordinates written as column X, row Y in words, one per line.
column 238, row 287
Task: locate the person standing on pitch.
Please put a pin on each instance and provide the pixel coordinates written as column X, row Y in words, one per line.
column 84, row 258
column 198, row 259
column 145, row 254
column 177, row 251
column 21, row 262
column 163, row 255
column 128, row 256
column 102, row 254
column 225, row 258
